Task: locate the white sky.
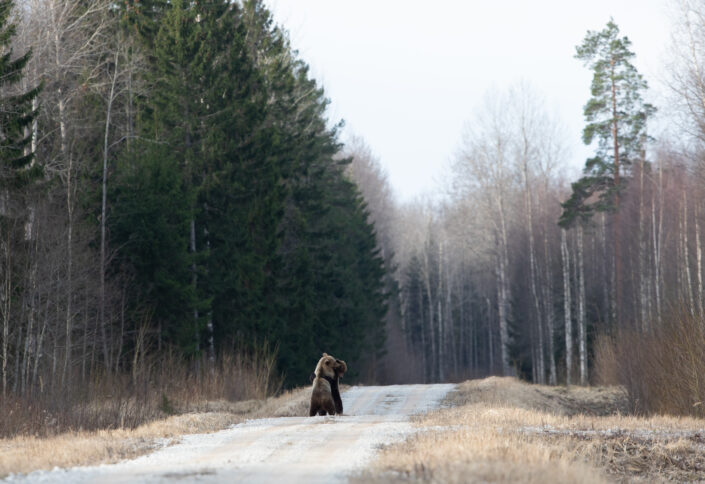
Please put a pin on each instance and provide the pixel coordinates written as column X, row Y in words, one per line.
column 405, row 75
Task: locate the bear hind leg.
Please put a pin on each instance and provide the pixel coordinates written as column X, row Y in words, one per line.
column 329, row 407
column 313, row 410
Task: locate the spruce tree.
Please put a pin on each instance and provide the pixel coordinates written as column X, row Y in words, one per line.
column 16, row 113
column 285, row 253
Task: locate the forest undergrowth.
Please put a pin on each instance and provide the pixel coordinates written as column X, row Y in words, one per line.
column 505, row 430
column 121, row 416
column 662, row 369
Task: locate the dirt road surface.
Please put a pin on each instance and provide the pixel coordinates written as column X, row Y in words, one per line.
column 288, row 449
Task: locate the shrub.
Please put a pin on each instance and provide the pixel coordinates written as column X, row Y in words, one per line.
column 163, row 384
column 662, row 370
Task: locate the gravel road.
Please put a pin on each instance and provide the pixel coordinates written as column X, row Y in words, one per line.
column 287, row 449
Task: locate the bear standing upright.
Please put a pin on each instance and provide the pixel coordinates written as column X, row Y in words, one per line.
column 340, row 370
column 323, row 401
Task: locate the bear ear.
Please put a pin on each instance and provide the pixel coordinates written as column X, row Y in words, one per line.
column 325, row 354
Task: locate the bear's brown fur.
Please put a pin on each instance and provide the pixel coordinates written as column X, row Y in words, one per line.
column 325, row 394
column 340, row 370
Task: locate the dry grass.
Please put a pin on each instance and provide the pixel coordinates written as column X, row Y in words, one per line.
column 162, row 385
column 503, row 430
column 28, row 453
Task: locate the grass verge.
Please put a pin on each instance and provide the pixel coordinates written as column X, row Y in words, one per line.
column 23, row 454
column 504, row 430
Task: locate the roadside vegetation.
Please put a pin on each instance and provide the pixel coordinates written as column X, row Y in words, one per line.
column 123, row 420
column 663, row 371
column 504, row 430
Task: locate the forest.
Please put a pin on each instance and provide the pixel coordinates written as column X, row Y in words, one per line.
column 175, row 202
column 171, row 187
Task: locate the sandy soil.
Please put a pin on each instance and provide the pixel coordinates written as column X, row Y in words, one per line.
column 285, row 449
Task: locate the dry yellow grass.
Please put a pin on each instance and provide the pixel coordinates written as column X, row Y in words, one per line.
column 26, row 454
column 503, row 430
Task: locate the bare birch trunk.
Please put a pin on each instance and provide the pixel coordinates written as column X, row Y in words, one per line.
column 6, row 308
column 103, row 207
column 565, row 255
column 40, row 346
column 69, row 271
column 424, row 359
column 504, row 292
column 540, row 357
column 657, row 230
column 582, row 326
column 502, row 314
column 441, row 333
column 29, row 340
column 686, row 256
column 490, row 340
column 550, row 315
column 699, row 261
column 643, row 277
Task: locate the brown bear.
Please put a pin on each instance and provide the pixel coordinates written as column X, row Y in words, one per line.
column 325, row 395
column 340, row 369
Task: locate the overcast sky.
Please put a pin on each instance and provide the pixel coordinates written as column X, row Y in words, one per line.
column 405, row 75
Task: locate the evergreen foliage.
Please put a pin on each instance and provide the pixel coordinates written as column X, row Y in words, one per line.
column 616, row 118
column 16, row 113
column 237, row 154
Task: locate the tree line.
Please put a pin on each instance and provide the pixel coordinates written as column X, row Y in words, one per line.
column 170, row 183
column 519, row 270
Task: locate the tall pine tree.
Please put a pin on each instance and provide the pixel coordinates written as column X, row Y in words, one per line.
column 616, row 117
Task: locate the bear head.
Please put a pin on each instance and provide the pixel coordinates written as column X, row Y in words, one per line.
column 340, row 368
column 326, row 367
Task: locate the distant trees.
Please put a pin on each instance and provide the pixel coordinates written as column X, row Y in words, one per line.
column 502, row 251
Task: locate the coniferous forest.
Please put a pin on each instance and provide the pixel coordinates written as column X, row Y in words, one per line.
column 174, row 193
column 171, row 184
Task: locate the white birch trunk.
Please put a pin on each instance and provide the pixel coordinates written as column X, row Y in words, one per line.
column 502, row 314
column 541, row 370
column 656, row 230
column 503, row 307
column 431, row 324
column 550, row 316
column 686, row 256
column 441, row 321
column 699, row 262
column 582, row 326
column 490, row 342
column 6, row 307
column 643, row 277
column 565, row 256
column 103, row 207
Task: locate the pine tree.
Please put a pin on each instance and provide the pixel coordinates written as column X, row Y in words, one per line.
column 616, row 118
